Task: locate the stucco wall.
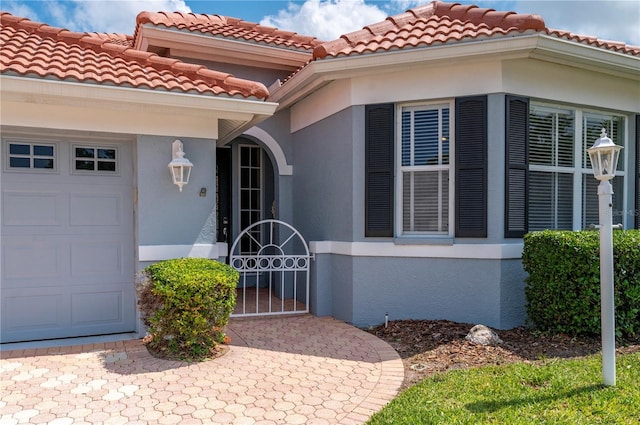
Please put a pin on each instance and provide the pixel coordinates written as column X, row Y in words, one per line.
column 362, row 290
column 167, row 216
column 323, row 178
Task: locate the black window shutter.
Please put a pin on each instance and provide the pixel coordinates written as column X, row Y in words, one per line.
column 516, row 167
column 379, row 170
column 471, row 167
column 637, row 211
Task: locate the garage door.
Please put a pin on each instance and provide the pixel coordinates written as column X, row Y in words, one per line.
column 67, row 239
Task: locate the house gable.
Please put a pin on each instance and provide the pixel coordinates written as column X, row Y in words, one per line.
column 223, row 40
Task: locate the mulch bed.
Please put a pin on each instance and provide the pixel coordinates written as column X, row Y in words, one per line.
column 430, row 346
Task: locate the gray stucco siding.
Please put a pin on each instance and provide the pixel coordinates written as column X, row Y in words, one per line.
column 512, row 297
column 323, row 179
column 167, row 216
column 425, row 288
column 363, row 289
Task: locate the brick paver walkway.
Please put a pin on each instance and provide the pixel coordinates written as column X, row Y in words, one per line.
column 285, row 370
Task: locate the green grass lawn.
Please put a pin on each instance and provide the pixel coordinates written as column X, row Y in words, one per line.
column 553, row 392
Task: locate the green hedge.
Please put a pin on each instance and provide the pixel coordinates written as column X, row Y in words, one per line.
column 186, row 304
column 563, row 287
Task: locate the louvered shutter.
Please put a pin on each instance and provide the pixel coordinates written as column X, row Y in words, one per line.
column 471, row 167
column 379, row 166
column 517, row 163
column 637, row 170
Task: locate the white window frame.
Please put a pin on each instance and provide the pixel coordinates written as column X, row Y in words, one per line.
column 260, row 209
column 95, row 159
column 31, row 156
column 582, row 167
column 399, row 169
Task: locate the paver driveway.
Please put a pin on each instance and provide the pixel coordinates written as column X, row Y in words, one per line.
column 284, row 370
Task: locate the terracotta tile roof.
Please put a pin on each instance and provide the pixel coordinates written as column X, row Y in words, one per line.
column 617, row 46
column 226, row 27
column 439, row 23
column 121, row 39
column 37, row 50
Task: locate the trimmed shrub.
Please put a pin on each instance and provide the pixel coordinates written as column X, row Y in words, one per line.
column 563, row 288
column 186, row 304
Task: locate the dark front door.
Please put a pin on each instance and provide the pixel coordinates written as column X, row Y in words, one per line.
column 223, row 192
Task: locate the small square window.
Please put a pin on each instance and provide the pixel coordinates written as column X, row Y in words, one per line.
column 85, row 165
column 31, row 156
column 15, row 149
column 42, row 150
column 84, row 153
column 106, row 166
column 43, row 163
column 95, row 159
column 107, row 153
column 19, row 162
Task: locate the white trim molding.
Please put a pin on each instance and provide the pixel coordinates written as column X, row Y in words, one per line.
column 389, row 249
column 167, row 252
column 284, row 169
column 31, row 102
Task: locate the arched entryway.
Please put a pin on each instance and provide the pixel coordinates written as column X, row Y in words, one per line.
column 246, row 187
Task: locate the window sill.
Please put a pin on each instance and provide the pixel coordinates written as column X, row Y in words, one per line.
column 423, row 240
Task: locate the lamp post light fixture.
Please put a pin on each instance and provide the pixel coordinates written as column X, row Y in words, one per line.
column 180, row 167
column 604, row 160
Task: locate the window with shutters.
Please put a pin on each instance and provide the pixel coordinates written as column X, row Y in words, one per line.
column 425, row 186
column 562, row 189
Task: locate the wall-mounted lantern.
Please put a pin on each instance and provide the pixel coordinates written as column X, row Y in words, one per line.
column 179, row 166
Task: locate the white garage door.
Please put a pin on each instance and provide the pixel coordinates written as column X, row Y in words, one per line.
column 67, row 239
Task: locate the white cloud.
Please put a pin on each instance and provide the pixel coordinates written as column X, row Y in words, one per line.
column 325, row 19
column 610, row 20
column 402, row 5
column 328, row 19
column 92, row 15
column 117, row 16
column 20, row 9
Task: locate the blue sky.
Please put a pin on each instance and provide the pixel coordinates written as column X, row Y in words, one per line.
column 326, row 19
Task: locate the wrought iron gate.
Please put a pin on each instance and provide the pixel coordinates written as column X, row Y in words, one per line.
column 273, row 260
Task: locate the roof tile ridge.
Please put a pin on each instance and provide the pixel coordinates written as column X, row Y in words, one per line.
column 400, row 20
column 496, row 19
column 174, row 19
column 593, row 40
column 25, row 24
column 231, row 83
column 350, row 39
column 47, row 31
column 390, row 23
column 330, row 47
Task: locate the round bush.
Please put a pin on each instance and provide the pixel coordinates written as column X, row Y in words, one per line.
column 186, row 304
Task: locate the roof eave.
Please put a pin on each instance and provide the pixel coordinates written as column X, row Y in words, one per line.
column 536, row 46
column 571, row 53
column 206, row 47
column 324, row 70
column 238, row 114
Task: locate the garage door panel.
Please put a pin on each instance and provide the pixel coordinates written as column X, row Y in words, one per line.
column 102, row 259
column 95, row 209
column 98, row 308
column 35, row 312
column 32, row 209
column 25, row 258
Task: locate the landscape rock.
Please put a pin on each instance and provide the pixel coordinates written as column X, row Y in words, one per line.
column 482, row 335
